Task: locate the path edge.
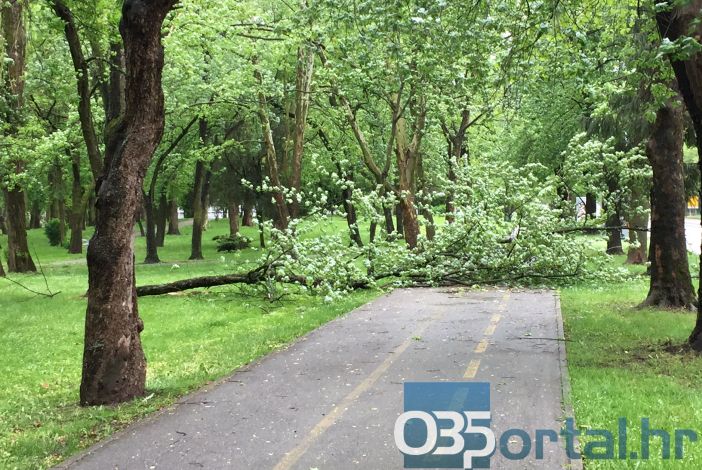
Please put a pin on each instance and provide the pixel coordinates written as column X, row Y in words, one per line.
column 566, row 391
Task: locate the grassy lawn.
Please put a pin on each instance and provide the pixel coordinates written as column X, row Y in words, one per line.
column 626, row 362
column 189, row 340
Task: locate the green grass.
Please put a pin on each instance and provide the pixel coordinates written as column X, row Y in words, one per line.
column 625, row 362
column 189, row 340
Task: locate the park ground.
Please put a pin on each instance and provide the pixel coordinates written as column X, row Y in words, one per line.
column 623, row 361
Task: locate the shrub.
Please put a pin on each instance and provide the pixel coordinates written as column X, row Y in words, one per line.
column 52, row 229
column 233, row 243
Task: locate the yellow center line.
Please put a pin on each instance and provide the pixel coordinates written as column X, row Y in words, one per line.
column 472, row 369
column 338, row 411
column 482, row 346
column 474, row 365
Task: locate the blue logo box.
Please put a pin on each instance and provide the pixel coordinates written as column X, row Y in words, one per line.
column 432, row 397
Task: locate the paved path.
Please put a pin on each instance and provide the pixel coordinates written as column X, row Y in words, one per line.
column 330, row 400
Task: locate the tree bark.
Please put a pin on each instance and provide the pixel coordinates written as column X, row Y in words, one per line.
column 80, row 67
column 15, row 40
column 248, row 219
column 151, row 244
column 614, row 237
column 35, row 216
column 114, row 366
column 407, row 160
column 18, row 260
column 671, row 285
column 590, row 206
column 638, row 239
column 281, row 215
column 457, row 153
column 303, row 81
column 79, row 199
column 233, row 209
column 201, row 188
column 2, row 270
column 161, row 221
column 681, row 21
column 173, row 217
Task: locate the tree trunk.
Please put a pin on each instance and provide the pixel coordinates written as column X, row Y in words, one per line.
column 590, row 206
column 389, row 224
column 614, row 238
column 281, row 216
column 303, row 81
column 198, row 212
column 457, row 152
column 233, row 210
column 247, row 219
column 80, row 66
column 78, row 201
column 671, row 285
column 15, row 41
column 638, row 239
column 114, row 366
column 350, row 210
column 173, row 218
column 35, row 216
column 2, row 270
column 680, row 21
column 199, row 209
column 151, row 243
column 399, row 220
column 161, row 221
column 18, row 260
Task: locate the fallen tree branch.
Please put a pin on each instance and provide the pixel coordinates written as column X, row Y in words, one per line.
column 252, row 277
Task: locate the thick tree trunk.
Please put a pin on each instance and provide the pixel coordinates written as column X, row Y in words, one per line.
column 671, row 285
column 114, row 366
column 674, row 23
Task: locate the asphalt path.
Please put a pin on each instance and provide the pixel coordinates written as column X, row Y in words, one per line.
column 330, row 400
